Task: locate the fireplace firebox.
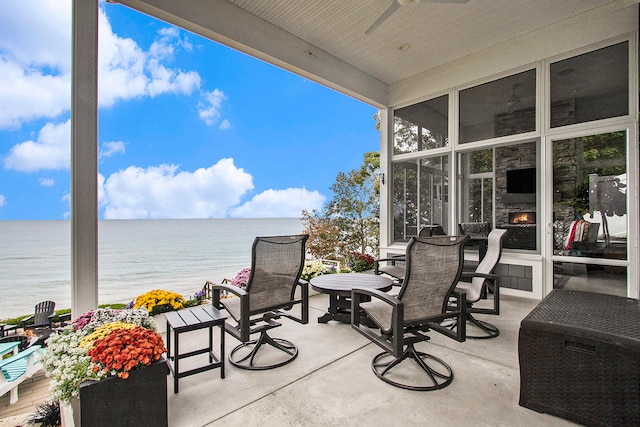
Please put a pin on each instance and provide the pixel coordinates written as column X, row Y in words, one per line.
column 522, row 231
column 522, row 217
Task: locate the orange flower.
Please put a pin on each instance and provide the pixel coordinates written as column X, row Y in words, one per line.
column 123, row 350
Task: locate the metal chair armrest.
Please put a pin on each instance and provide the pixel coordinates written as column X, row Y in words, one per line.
column 217, row 287
column 396, row 344
column 389, row 299
column 392, row 260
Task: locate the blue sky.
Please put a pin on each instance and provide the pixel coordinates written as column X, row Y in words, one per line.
column 187, row 128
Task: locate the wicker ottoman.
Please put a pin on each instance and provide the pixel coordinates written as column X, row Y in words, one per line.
column 580, row 358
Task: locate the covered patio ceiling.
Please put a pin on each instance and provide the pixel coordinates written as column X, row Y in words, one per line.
column 325, row 41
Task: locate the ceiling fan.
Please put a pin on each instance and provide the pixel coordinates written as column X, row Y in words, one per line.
column 396, row 4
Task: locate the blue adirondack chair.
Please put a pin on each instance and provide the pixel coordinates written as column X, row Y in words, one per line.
column 16, row 369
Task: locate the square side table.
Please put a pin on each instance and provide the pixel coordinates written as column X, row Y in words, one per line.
column 193, row 319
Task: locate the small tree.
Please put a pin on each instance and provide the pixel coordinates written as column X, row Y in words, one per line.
column 350, row 221
column 324, row 236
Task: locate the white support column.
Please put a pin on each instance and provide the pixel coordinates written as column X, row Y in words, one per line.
column 385, row 175
column 84, row 157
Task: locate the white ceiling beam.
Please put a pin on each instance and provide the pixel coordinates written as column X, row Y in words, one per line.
column 227, row 24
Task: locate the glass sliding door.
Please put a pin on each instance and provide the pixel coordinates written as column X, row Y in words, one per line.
column 590, row 212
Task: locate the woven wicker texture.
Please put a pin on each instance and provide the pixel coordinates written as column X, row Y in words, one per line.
column 433, row 268
column 580, row 358
column 589, row 315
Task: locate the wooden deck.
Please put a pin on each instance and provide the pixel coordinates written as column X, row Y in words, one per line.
column 31, row 392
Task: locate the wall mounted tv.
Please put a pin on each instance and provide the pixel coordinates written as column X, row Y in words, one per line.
column 521, row 181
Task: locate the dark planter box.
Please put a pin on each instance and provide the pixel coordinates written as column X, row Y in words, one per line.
column 580, row 358
column 139, row 400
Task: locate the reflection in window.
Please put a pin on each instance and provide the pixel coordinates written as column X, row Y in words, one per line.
column 516, row 189
column 592, row 86
column 421, row 126
column 420, row 195
column 476, row 182
column 502, row 107
column 603, row 279
column 590, row 196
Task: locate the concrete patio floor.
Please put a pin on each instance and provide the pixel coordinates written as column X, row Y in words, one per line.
column 331, row 382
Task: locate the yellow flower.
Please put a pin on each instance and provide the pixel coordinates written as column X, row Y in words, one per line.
column 102, row 332
column 158, row 301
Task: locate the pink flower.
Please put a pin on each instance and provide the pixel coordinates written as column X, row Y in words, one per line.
column 242, row 278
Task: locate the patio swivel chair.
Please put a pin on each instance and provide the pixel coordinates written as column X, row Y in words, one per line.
column 273, row 289
column 394, row 266
column 482, row 285
column 434, row 265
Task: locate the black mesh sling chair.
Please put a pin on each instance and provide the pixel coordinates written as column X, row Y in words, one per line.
column 394, row 266
column 433, row 267
column 273, row 289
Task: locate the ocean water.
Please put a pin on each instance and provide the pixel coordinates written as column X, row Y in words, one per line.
column 135, row 256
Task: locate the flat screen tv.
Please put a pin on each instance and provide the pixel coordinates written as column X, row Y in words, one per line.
column 521, row 181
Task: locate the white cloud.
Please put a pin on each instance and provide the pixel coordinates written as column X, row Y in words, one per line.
column 46, row 182
column 126, row 71
column 50, row 151
column 280, row 204
column 37, row 33
column 214, row 192
column 35, row 62
column 110, row 148
column 3, row 200
column 225, row 124
column 165, row 192
column 30, row 93
column 209, row 107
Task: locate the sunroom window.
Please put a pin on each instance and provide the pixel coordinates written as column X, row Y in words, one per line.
column 590, row 196
column 476, row 183
column 420, row 195
column 592, row 86
column 499, row 186
column 498, row 108
column 421, row 126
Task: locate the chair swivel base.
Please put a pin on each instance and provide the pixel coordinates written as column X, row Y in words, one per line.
column 241, row 360
column 489, row 330
column 437, row 373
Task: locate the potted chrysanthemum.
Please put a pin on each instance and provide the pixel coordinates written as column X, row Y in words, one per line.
column 109, row 366
column 159, row 301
